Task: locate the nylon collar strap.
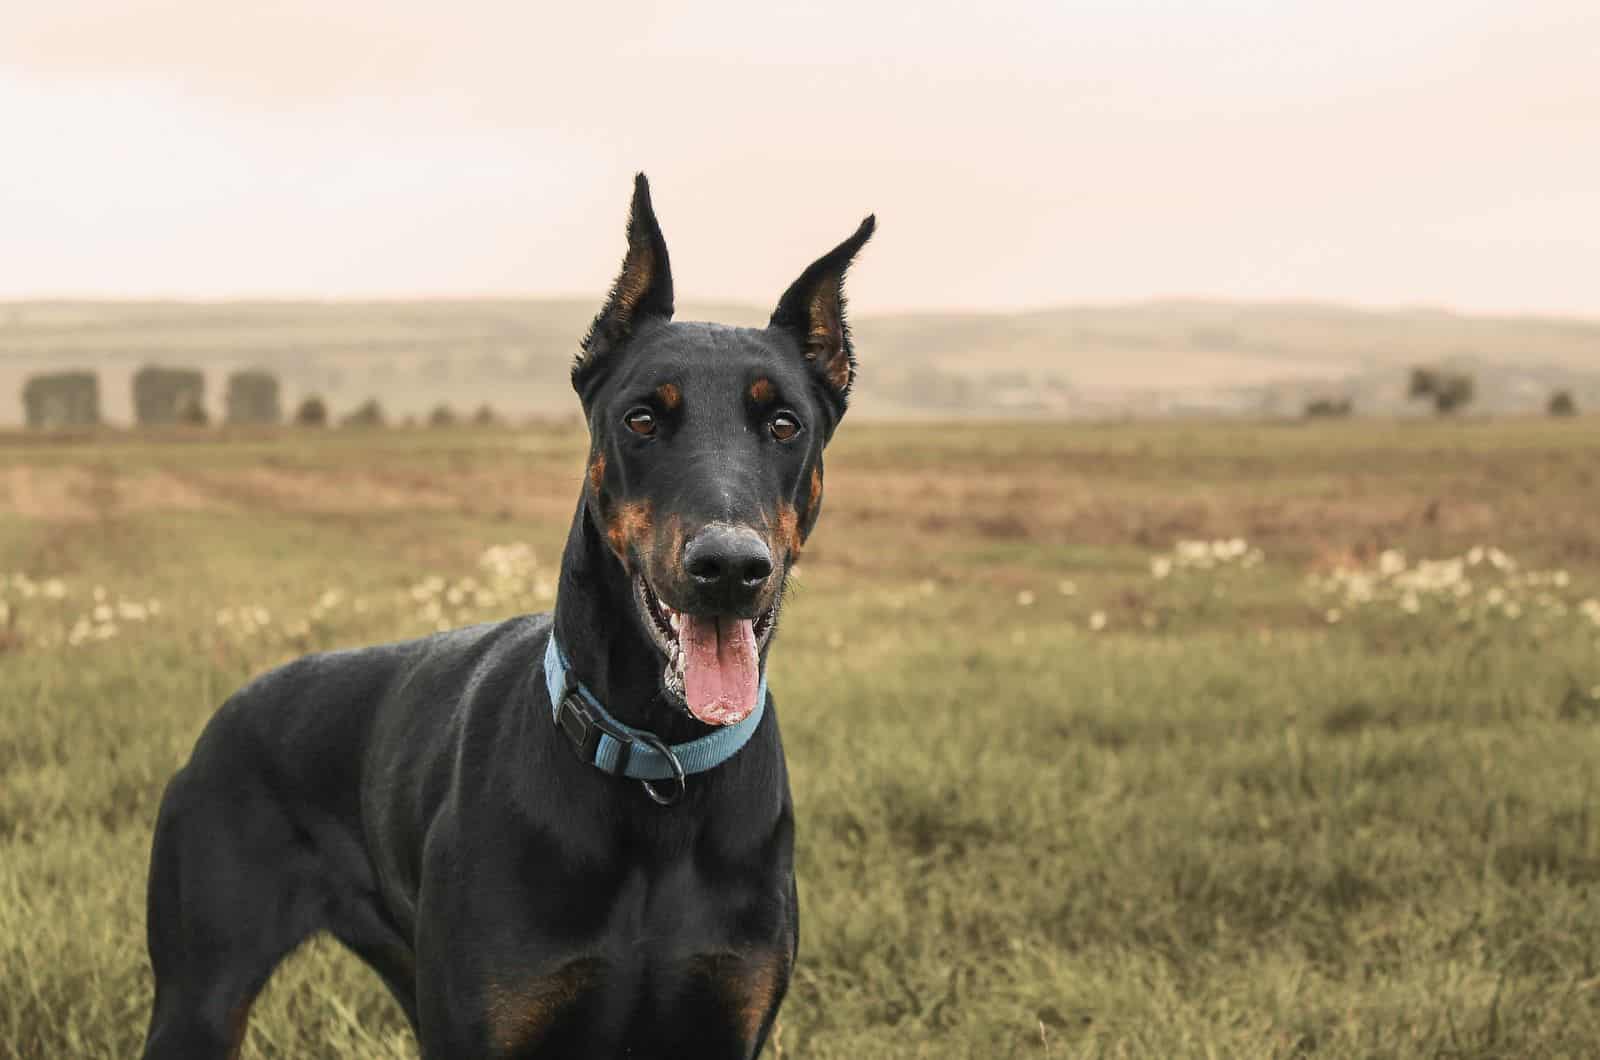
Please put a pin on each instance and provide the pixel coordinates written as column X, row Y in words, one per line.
column 623, row 751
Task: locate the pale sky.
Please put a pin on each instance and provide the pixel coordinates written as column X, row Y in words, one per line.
column 1017, row 153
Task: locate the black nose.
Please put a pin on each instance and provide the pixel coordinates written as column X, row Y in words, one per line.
column 729, row 561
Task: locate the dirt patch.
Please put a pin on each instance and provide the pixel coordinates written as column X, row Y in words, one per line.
column 51, row 494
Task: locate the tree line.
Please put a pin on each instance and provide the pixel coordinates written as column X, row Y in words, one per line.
column 164, row 396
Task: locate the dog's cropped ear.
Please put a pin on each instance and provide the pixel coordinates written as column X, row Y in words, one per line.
column 643, row 289
column 813, row 311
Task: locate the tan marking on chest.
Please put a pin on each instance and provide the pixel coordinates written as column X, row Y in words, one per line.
column 519, row 1013
column 748, row 982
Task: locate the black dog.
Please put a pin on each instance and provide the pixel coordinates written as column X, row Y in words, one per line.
column 422, row 802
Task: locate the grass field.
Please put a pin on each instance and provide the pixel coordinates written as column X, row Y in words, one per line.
column 1070, row 782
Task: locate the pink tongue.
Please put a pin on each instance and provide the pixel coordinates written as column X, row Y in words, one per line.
column 720, row 668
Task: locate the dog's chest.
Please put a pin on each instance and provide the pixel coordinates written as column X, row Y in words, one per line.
column 683, row 962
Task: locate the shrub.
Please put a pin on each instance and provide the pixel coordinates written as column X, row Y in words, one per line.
column 368, row 414
column 1329, row 408
column 252, row 397
column 1449, row 391
column 164, row 396
column 1562, row 403
column 62, row 399
column 313, row 412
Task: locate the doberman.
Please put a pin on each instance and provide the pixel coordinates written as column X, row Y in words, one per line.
column 422, row 802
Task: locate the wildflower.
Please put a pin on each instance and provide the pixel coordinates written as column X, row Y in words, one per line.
column 1160, row 567
column 1333, row 616
column 1097, row 621
column 927, row 587
column 1410, row 604
column 55, row 589
column 1391, row 562
column 1025, row 598
column 1066, row 588
column 103, row 613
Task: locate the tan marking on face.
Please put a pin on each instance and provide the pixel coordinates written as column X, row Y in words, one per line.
column 628, row 526
column 597, row 472
column 669, row 395
column 787, row 531
column 520, row 1014
column 762, row 391
column 673, row 528
column 814, row 498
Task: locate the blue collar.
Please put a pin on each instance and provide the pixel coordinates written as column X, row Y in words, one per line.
column 621, row 750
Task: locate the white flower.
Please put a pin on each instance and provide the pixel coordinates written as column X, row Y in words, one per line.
column 1333, row 615
column 1066, row 588
column 1160, row 567
column 1097, row 621
column 1391, row 562
column 1025, row 598
column 1410, row 604
column 103, row 613
column 55, row 589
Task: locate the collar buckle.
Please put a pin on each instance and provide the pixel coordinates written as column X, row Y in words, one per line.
column 584, row 730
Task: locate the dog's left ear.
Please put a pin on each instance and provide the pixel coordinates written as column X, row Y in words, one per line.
column 643, row 288
column 813, row 311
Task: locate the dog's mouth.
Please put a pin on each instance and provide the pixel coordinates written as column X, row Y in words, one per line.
column 713, row 662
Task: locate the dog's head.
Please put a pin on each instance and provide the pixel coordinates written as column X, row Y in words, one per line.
column 705, row 462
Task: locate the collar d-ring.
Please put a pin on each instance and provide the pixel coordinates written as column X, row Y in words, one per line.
column 677, row 770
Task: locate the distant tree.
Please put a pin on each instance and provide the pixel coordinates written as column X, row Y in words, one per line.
column 1449, row 391
column 442, row 416
column 368, row 414
column 313, row 412
column 169, row 395
column 1562, row 403
column 1329, row 408
column 62, row 399
column 485, row 416
column 252, row 397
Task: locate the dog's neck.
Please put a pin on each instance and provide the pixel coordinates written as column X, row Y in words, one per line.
column 597, row 625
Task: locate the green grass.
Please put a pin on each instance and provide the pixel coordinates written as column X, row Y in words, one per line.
column 1222, row 825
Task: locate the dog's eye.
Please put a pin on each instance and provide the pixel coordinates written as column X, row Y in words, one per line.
column 784, row 426
column 641, row 421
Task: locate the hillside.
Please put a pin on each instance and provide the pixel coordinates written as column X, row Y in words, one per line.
column 1150, row 358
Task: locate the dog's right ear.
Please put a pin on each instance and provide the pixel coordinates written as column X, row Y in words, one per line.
column 643, row 290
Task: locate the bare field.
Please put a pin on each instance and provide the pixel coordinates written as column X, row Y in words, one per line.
column 1120, row 740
